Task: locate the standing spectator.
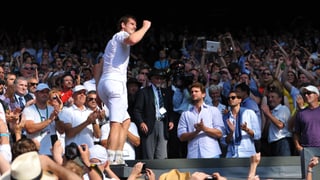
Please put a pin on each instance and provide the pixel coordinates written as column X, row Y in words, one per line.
column 215, row 94
column 279, row 136
column 181, row 101
column 67, row 83
column 80, row 122
column 41, row 120
column 214, row 80
column 244, row 91
column 307, row 122
column 55, row 72
column 21, row 96
column 242, row 128
column 32, row 86
column 162, row 63
column 143, row 79
column 142, row 76
column 27, row 70
column 55, row 99
column 152, row 117
column 91, row 104
column 229, row 85
column 133, row 86
column 111, row 79
column 10, row 78
column 7, row 68
column 201, row 126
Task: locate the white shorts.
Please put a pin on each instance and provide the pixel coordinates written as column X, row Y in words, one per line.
column 114, row 94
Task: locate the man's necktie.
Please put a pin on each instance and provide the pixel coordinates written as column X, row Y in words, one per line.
column 160, row 97
column 21, row 102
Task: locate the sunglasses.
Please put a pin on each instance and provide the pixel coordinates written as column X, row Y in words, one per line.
column 233, row 97
column 33, row 84
column 91, row 99
column 308, row 93
column 81, row 92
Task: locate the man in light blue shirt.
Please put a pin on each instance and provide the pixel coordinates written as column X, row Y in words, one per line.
column 201, row 126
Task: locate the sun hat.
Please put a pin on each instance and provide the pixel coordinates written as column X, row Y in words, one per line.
column 175, row 174
column 27, row 166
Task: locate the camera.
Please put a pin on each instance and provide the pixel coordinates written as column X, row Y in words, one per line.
column 72, row 151
column 180, row 78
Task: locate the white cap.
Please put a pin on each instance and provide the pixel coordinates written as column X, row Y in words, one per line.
column 311, row 89
column 78, row 88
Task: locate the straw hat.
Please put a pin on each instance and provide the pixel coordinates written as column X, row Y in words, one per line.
column 175, row 174
column 25, row 167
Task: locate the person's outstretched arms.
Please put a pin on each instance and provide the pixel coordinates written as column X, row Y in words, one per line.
column 313, row 162
column 254, row 162
column 136, row 171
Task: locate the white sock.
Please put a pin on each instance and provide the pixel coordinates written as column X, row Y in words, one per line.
column 111, row 155
column 119, row 156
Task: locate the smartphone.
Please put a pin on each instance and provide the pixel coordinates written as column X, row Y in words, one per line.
column 210, row 177
column 143, row 170
column 54, row 138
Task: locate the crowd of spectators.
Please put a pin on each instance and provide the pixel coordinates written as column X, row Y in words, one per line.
column 272, row 68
